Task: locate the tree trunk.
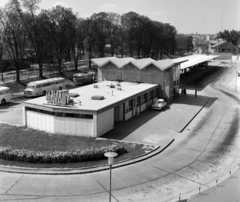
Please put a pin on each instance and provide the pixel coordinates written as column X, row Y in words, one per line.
column 59, row 67
column 40, row 66
column 76, row 62
column 17, row 72
column 89, row 58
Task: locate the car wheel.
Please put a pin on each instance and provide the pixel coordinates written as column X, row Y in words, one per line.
column 44, row 93
column 3, row 101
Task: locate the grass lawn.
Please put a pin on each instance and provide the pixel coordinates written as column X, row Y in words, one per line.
column 34, row 140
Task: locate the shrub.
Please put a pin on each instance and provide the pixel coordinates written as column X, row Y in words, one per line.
column 28, row 156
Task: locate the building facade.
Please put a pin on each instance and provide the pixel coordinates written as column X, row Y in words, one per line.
column 165, row 73
column 225, row 47
column 94, row 112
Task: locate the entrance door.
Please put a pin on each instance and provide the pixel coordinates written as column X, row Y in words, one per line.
column 116, row 113
column 134, row 106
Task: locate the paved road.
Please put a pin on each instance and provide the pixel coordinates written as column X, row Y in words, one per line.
column 206, row 149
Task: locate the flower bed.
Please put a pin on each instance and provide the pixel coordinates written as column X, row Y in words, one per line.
column 28, row 156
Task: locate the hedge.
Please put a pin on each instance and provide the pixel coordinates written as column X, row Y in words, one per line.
column 24, row 155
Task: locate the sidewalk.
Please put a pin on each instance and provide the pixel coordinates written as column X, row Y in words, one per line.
column 228, row 190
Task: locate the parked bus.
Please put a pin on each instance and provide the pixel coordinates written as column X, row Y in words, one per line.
column 84, row 78
column 42, row 87
column 5, row 95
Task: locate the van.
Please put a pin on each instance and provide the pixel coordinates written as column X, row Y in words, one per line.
column 5, row 95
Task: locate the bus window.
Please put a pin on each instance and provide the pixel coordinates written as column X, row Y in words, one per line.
column 30, row 86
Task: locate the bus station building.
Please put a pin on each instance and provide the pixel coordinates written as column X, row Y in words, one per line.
column 94, row 111
column 165, row 73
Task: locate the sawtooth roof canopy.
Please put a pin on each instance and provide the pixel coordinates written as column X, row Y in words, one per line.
column 140, row 64
column 187, row 61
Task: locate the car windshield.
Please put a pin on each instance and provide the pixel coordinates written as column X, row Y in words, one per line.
column 30, row 86
column 160, row 101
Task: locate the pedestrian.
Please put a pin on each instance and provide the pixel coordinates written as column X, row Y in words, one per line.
column 195, row 93
column 184, row 91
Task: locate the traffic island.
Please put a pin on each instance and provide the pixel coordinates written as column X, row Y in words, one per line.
column 28, row 149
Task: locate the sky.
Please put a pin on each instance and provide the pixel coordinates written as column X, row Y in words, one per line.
column 187, row 16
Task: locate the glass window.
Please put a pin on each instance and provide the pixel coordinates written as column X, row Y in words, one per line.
column 30, row 86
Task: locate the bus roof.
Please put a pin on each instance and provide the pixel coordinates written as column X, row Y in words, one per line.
column 84, row 73
column 3, row 88
column 45, row 81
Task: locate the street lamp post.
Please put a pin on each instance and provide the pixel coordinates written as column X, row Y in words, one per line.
column 110, row 156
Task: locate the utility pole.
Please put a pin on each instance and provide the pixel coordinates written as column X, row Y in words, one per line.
column 222, row 19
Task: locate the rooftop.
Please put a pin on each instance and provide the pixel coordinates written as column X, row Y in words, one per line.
column 111, row 95
column 196, row 59
column 140, row 63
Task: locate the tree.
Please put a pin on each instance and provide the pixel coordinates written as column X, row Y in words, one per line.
column 181, row 40
column 157, row 37
column 32, row 25
column 99, row 23
column 113, row 26
column 15, row 35
column 130, row 25
column 78, row 36
column 60, row 23
column 230, row 36
column 189, row 43
column 169, row 37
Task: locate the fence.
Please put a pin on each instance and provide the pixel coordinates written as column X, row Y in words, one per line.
column 47, row 71
column 183, row 196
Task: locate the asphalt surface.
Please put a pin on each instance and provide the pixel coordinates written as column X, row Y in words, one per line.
column 205, row 148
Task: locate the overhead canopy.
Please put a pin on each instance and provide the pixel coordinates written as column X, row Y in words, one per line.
column 121, row 62
column 196, row 59
column 102, row 61
column 140, row 63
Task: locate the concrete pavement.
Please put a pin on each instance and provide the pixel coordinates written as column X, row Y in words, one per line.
column 206, row 149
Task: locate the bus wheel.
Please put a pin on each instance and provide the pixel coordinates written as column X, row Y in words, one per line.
column 60, row 88
column 44, row 93
column 3, row 101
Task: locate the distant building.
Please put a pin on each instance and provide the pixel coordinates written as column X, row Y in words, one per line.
column 225, row 47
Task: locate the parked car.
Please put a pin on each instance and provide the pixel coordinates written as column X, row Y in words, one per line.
column 159, row 104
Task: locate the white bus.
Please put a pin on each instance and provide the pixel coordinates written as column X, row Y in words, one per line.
column 5, row 95
column 84, row 78
column 42, row 87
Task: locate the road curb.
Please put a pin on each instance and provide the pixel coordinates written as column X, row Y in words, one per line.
column 69, row 171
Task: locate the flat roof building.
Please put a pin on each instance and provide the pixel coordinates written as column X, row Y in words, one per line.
column 94, row 111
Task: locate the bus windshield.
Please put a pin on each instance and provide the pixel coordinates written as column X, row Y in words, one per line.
column 30, row 86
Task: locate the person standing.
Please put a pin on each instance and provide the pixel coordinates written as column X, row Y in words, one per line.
column 195, row 93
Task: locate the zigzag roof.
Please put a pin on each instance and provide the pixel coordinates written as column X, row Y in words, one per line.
column 102, row 61
column 140, row 64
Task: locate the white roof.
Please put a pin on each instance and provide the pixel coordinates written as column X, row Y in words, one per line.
column 196, row 59
column 140, row 63
column 121, row 62
column 4, row 88
column 102, row 61
column 111, row 95
column 45, row 80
